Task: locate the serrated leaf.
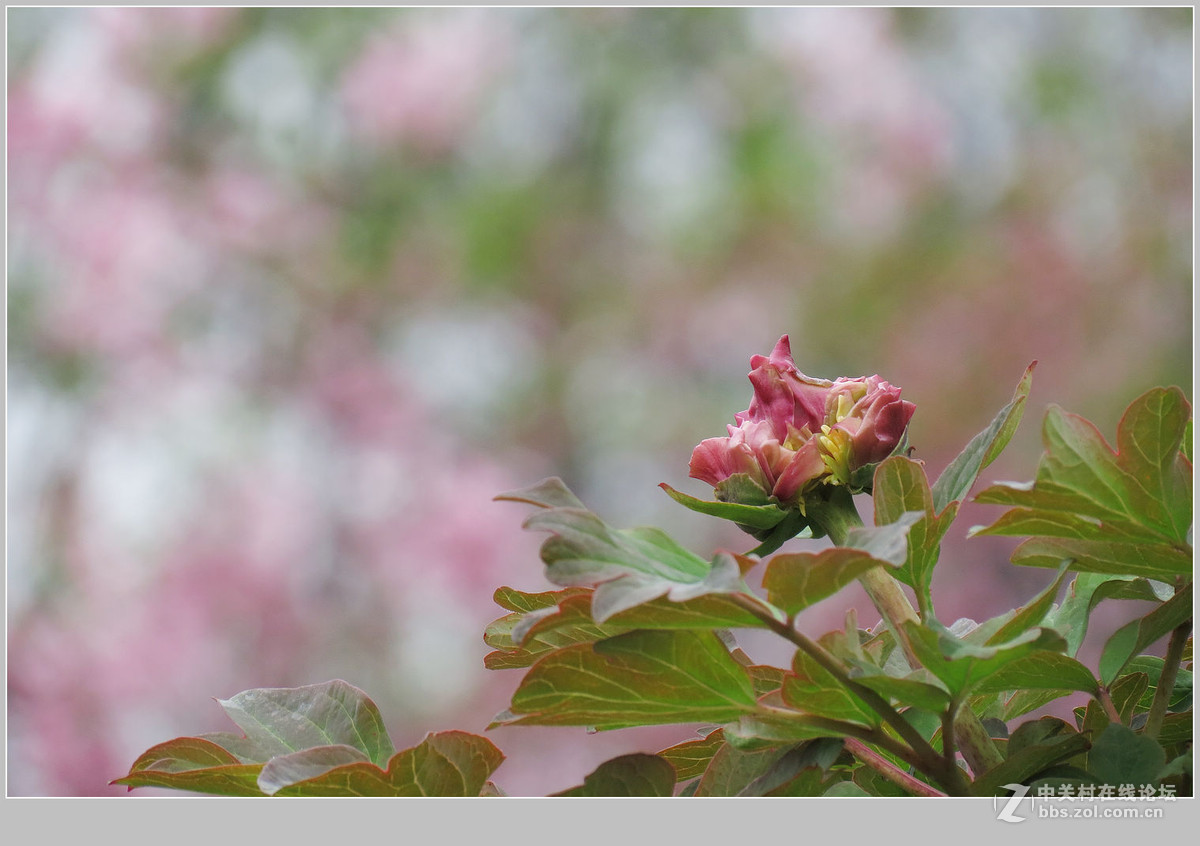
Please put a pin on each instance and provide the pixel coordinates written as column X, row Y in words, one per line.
column 691, row 758
column 1134, row 637
column 639, row 678
column 449, row 763
column 283, row 720
column 1121, row 512
column 1121, row 756
column 901, row 486
column 794, row 581
column 629, row 775
column 196, row 764
column 755, row 516
column 956, row 480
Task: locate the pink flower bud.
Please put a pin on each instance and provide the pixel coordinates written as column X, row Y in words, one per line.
column 799, row 431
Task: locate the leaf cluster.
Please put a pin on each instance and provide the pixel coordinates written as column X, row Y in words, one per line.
column 640, row 630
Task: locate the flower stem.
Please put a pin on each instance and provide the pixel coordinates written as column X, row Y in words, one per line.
column 888, row 770
column 918, row 752
column 1166, row 681
column 975, row 742
column 1110, row 707
column 837, row 517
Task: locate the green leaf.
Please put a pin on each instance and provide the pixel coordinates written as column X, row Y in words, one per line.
column 1186, row 446
column 755, row 516
column 956, row 480
column 629, row 775
column 963, row 665
column 196, row 764
column 814, row 690
column 1155, row 561
column 1124, row 512
column 1179, row 766
column 1134, row 637
column 627, row 567
column 548, row 493
column 639, row 678
column 845, row 789
column 1023, row 701
column 520, row 639
column 1032, row 613
column 1023, row 765
column 794, row 581
column 307, row 765
column 1126, row 692
column 283, row 720
column 1176, row 728
column 733, row 769
column 766, row 678
column 920, row 689
column 449, row 763
column 774, row 722
column 800, row 771
column 523, row 603
column 691, row 758
column 1152, row 666
column 1087, row 591
column 1041, row 670
column 887, row 543
column 901, row 486
column 1121, row 756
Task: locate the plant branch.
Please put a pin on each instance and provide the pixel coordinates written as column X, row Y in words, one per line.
column 837, row 517
column 948, row 750
column 1110, row 707
column 919, row 753
column 975, row 742
column 869, row 757
column 1166, row 681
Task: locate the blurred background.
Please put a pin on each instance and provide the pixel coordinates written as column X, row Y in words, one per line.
column 293, row 293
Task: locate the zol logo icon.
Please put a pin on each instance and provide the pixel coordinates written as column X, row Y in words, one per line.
column 1006, row 813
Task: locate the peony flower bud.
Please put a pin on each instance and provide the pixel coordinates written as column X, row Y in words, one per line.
column 799, row 431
